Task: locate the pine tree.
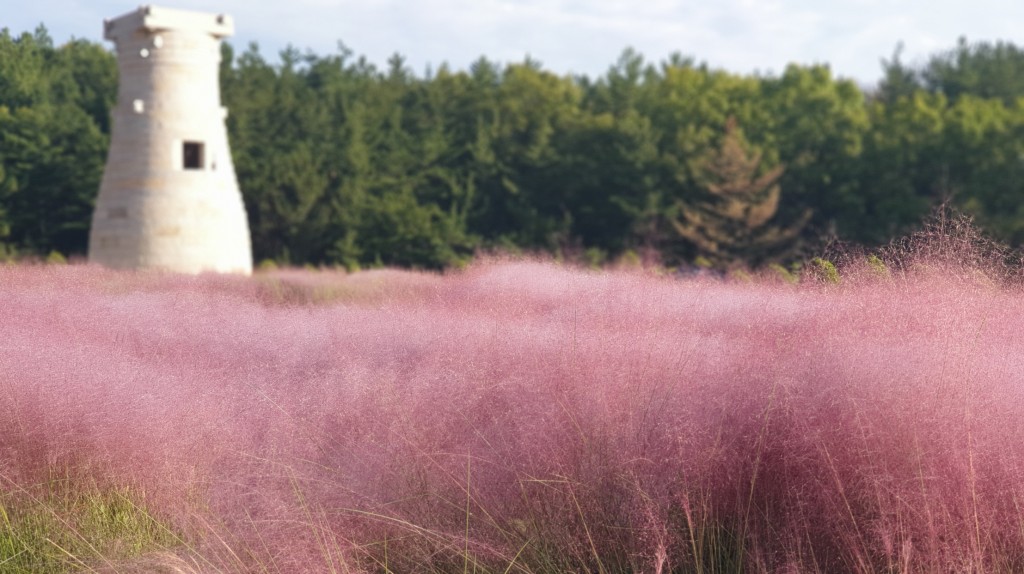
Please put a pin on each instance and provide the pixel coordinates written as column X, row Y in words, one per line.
column 729, row 221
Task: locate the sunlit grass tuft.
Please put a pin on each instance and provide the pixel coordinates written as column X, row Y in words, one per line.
column 70, row 524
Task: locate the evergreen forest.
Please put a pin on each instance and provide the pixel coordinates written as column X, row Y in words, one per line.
column 345, row 163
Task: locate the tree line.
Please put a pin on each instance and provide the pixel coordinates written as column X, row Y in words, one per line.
column 341, row 162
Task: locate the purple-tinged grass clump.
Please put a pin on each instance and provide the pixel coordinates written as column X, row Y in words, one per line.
column 525, row 417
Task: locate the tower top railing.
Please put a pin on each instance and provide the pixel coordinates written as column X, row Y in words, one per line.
column 152, row 19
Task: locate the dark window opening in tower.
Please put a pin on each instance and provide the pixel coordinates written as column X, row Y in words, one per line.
column 192, row 154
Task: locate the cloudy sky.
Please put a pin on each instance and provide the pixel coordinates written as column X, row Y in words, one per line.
column 581, row 36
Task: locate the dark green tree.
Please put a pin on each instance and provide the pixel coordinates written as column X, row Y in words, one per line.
column 899, row 80
column 816, row 127
column 54, row 110
column 982, row 69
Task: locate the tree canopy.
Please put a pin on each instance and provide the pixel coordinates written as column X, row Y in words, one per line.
column 341, row 162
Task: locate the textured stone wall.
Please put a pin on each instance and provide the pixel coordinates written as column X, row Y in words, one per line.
column 155, row 209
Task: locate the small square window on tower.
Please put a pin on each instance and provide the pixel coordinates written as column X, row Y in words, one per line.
column 192, row 155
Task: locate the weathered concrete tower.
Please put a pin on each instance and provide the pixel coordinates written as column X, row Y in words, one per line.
column 169, row 198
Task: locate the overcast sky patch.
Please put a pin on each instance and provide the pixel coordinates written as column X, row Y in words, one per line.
column 580, row 37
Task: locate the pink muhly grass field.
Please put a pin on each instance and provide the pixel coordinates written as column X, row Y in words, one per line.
column 526, row 417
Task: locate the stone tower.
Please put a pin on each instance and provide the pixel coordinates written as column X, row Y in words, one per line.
column 169, row 198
